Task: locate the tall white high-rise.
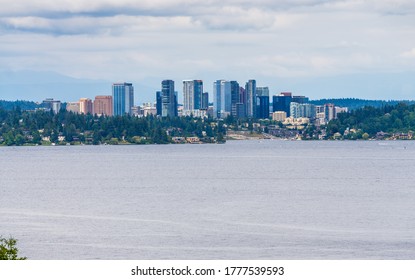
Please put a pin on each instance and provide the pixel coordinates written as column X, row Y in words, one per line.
column 192, row 96
column 250, row 89
column 329, row 112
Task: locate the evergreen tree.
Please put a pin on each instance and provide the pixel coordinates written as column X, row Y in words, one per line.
column 8, row 249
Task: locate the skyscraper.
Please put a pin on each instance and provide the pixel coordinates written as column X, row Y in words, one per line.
column 168, row 99
column 217, row 99
column 329, row 112
column 262, row 103
column 282, row 102
column 192, row 96
column 300, row 99
column 158, row 103
column 222, row 100
column 103, row 105
column 53, row 105
column 235, row 98
column 85, row 106
column 250, row 89
column 241, row 106
column 205, row 101
column 122, row 98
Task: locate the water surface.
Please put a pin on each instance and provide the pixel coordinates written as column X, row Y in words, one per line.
column 241, row 200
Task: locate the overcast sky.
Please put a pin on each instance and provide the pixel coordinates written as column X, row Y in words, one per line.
column 150, row 40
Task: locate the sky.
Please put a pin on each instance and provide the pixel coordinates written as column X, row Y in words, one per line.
column 318, row 48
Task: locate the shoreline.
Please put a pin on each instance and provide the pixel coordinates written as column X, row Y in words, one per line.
column 227, row 140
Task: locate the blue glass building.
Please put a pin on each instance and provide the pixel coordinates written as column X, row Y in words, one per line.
column 282, row 102
column 222, row 99
column 168, row 99
column 235, row 98
column 262, row 103
column 158, row 103
column 123, row 98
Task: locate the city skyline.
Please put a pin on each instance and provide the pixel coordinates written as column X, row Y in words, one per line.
column 311, row 47
column 194, row 96
column 230, row 99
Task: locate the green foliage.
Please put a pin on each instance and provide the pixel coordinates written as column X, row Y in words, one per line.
column 368, row 121
column 24, row 105
column 113, row 141
column 8, row 249
column 250, row 126
column 221, row 138
column 355, row 103
column 19, row 127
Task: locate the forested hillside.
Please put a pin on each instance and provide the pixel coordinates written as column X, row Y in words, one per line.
column 18, row 127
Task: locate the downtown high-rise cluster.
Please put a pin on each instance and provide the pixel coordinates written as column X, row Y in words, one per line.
column 229, row 99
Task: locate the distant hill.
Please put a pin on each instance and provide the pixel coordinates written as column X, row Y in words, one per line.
column 23, row 105
column 355, row 103
column 39, row 85
column 372, row 86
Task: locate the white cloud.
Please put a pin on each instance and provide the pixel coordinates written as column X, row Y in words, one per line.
column 238, row 39
column 192, row 7
column 23, row 7
column 237, row 15
column 27, row 22
column 230, row 17
column 117, row 25
column 409, row 54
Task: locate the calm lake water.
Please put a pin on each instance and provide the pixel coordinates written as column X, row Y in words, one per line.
column 242, row 200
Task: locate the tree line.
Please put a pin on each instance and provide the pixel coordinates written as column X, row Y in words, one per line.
column 356, row 103
column 20, row 127
column 22, row 104
column 398, row 118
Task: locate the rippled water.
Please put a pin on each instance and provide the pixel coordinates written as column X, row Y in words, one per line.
column 241, row 200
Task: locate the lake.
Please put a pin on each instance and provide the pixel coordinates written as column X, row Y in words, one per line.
column 241, row 200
